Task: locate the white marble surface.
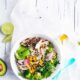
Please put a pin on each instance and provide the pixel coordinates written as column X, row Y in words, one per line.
column 57, row 17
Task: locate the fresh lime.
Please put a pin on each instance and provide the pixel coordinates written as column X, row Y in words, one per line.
column 7, row 38
column 7, row 28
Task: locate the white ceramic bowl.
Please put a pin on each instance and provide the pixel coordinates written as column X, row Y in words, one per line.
column 12, row 57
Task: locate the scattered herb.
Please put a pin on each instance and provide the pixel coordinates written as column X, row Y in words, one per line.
column 79, row 43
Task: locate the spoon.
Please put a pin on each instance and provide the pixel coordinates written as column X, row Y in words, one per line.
column 69, row 63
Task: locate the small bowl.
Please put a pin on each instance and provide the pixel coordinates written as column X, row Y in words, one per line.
column 15, row 47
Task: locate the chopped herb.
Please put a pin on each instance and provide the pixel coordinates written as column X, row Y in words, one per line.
column 79, row 43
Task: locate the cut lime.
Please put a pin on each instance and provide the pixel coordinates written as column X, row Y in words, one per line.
column 7, row 38
column 7, row 28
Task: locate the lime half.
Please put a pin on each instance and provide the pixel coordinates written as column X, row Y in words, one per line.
column 7, row 38
column 7, row 28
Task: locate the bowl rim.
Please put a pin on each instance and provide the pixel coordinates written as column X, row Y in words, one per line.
column 16, row 45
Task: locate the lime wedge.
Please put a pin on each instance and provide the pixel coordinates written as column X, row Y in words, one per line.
column 7, row 28
column 7, row 38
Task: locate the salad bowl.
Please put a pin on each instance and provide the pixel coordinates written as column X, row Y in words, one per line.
column 17, row 61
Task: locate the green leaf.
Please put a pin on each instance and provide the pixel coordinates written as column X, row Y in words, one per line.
column 7, row 38
column 27, row 74
column 17, row 56
column 50, row 47
column 48, row 65
column 48, row 73
column 37, row 76
column 21, row 49
column 26, row 52
column 22, row 52
column 56, row 62
column 46, row 52
column 31, row 77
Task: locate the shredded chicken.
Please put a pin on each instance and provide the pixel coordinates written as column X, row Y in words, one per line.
column 38, row 47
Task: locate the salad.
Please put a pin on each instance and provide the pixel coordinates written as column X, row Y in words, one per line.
column 36, row 58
